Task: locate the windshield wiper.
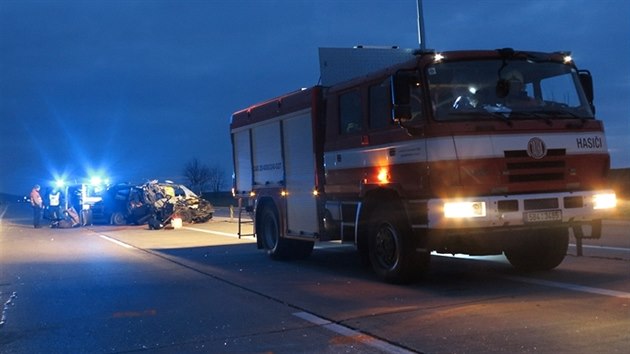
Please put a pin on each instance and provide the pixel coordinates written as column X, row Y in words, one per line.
column 502, row 116
column 535, row 114
column 558, row 113
column 563, row 113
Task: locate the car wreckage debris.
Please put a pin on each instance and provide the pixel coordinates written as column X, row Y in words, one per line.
column 168, row 200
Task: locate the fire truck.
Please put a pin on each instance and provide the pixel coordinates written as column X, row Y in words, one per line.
column 472, row 152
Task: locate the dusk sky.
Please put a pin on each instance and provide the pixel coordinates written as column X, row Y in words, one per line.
column 136, row 89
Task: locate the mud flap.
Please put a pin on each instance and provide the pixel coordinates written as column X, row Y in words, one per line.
column 578, row 232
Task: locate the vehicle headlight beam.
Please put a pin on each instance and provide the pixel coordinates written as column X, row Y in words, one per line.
column 465, row 209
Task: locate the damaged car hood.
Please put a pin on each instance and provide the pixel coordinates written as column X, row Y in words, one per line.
column 168, row 200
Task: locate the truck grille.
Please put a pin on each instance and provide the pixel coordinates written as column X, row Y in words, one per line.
column 522, row 168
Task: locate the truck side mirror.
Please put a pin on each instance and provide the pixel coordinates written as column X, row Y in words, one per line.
column 586, row 80
column 401, row 95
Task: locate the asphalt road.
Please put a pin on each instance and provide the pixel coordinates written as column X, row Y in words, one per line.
column 200, row 289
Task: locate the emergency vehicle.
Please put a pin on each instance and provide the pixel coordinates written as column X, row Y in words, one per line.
column 82, row 197
column 473, row 152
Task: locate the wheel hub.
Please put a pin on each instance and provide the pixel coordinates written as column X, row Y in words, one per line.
column 387, row 247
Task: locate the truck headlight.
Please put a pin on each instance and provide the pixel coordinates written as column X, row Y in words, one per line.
column 604, row 201
column 464, row 209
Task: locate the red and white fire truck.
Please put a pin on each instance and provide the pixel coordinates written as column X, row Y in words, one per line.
column 472, row 152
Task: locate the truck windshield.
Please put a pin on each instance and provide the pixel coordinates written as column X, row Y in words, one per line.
column 518, row 89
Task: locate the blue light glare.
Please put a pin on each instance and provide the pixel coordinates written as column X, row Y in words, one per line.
column 96, row 181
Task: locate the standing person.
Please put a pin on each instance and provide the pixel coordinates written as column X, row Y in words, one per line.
column 54, row 199
column 38, row 204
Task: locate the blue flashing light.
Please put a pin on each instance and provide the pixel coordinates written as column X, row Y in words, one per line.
column 96, row 181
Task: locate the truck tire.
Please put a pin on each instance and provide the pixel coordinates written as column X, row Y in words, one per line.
column 538, row 250
column 268, row 230
column 392, row 249
column 118, row 219
column 279, row 247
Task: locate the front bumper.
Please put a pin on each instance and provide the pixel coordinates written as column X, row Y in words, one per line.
column 520, row 210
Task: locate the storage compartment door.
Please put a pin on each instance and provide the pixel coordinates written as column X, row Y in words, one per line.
column 300, row 174
column 242, row 161
column 267, row 159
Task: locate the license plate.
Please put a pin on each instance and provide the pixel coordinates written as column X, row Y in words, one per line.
column 542, row 216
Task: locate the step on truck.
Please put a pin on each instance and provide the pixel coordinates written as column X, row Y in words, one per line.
column 412, row 152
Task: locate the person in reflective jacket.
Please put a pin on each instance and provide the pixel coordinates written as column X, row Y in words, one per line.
column 54, row 198
column 38, row 204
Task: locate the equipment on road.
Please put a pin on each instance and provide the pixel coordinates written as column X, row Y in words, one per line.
column 476, row 152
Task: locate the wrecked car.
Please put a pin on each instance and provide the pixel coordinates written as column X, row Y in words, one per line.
column 122, row 204
column 168, row 200
column 154, row 203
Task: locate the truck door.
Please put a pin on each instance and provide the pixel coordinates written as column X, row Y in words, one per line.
column 299, row 161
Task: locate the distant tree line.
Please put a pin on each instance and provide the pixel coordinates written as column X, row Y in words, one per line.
column 204, row 178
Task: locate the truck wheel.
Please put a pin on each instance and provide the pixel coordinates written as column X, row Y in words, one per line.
column 118, row 219
column 269, row 232
column 392, row 249
column 538, row 250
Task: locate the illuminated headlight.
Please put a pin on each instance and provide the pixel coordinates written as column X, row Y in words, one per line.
column 464, row 209
column 604, row 201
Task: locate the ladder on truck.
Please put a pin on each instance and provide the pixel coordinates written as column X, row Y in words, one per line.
column 244, row 209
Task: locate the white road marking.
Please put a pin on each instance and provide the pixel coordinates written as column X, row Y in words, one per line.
column 603, row 248
column 119, row 243
column 6, row 207
column 210, row 231
column 568, row 286
column 351, row 333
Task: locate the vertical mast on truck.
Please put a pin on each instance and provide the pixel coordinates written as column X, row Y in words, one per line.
column 421, row 33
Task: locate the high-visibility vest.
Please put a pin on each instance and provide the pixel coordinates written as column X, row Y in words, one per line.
column 54, row 199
